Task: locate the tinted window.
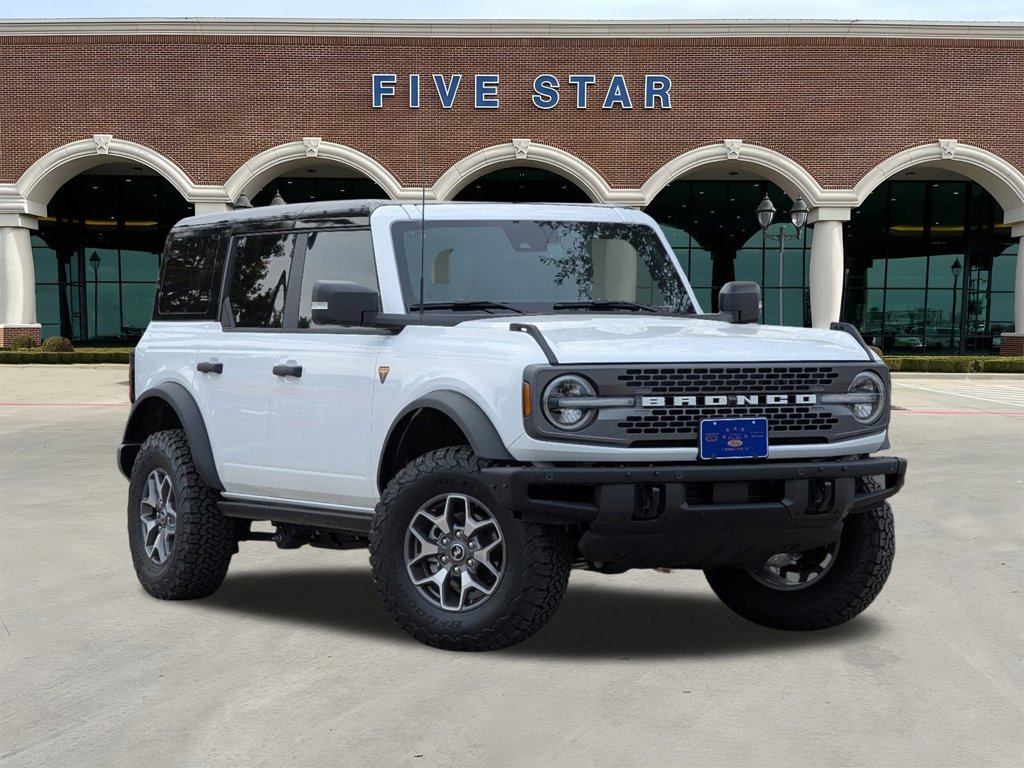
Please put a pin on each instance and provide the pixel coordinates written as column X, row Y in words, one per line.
column 259, row 280
column 187, row 281
column 335, row 255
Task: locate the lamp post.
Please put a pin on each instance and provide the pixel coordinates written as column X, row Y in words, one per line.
column 956, row 267
column 94, row 262
column 766, row 215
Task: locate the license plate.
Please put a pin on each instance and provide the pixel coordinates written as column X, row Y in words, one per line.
column 734, row 438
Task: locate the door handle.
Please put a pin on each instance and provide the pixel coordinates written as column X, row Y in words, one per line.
column 288, row 370
column 207, row 367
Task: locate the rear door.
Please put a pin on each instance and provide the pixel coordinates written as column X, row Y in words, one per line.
column 232, row 382
column 320, row 403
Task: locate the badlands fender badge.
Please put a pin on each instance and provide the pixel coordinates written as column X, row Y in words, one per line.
column 382, row 372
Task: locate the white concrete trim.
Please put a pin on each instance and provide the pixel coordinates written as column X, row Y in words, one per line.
column 792, row 177
column 47, row 174
column 1000, row 179
column 258, row 171
column 483, row 161
column 720, row 28
column 828, row 214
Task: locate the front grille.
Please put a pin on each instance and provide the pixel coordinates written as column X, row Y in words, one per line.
column 685, row 422
column 668, row 401
column 713, row 380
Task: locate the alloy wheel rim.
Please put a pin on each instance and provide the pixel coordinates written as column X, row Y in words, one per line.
column 455, row 552
column 158, row 517
column 791, row 571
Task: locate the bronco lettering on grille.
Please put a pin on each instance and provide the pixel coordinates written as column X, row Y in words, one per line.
column 683, row 401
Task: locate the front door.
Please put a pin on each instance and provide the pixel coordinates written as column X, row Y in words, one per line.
column 321, row 401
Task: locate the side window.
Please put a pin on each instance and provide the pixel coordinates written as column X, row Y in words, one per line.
column 335, row 254
column 259, row 279
column 186, row 285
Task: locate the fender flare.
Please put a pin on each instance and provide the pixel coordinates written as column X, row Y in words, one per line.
column 191, row 418
column 468, row 417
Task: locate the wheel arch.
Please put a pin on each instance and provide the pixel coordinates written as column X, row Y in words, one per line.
column 433, row 421
column 169, row 406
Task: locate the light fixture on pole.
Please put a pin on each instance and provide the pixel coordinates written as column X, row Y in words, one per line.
column 766, row 215
column 956, row 268
column 277, row 200
column 94, row 262
column 243, row 201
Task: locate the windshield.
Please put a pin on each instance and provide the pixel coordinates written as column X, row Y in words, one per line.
column 537, row 266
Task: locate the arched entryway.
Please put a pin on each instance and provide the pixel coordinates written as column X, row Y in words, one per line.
column 709, row 219
column 930, row 265
column 96, row 253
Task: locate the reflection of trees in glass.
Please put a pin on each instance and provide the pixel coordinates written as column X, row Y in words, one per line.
column 259, row 282
column 188, row 275
column 576, row 264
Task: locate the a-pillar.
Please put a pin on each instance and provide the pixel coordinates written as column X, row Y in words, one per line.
column 17, row 279
column 827, row 264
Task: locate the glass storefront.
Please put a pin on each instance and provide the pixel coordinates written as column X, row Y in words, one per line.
column 930, row 269
column 713, row 230
column 97, row 255
column 929, row 266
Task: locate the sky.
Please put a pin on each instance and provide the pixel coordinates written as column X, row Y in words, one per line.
column 906, row 10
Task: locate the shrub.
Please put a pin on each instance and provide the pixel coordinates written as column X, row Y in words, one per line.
column 22, row 342
column 955, row 364
column 1004, row 365
column 57, row 344
column 37, row 357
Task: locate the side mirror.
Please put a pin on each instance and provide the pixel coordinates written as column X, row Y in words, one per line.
column 342, row 302
column 743, row 299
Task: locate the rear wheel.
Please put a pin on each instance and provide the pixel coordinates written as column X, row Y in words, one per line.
column 181, row 544
column 455, row 569
column 817, row 589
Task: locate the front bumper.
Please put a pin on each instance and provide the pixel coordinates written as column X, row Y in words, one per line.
column 698, row 515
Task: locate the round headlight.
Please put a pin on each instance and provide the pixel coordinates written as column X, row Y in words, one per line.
column 558, row 407
column 872, row 397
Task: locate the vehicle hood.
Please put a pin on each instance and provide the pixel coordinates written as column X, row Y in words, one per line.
column 607, row 338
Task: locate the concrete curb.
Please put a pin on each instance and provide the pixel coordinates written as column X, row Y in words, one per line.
column 896, row 375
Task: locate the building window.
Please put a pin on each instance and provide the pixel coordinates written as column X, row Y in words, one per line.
column 712, row 228
column 929, row 269
column 97, row 254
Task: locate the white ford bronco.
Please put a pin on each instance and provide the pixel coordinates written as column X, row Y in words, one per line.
column 487, row 396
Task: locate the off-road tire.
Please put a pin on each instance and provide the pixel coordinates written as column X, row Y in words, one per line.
column 862, row 565
column 536, row 569
column 204, row 540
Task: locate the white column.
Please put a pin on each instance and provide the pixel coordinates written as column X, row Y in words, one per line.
column 17, row 277
column 827, row 264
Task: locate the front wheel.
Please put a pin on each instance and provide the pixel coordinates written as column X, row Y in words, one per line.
column 455, row 569
column 818, row 589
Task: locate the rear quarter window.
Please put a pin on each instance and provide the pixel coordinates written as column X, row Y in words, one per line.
column 187, row 280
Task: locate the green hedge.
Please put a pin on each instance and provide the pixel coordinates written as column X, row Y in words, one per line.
column 78, row 356
column 924, row 364
column 952, row 364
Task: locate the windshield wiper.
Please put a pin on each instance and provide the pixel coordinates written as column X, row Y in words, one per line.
column 604, row 304
column 457, row 306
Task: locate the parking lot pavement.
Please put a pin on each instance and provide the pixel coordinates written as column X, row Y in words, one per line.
column 294, row 662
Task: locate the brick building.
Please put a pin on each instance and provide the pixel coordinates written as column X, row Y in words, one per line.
column 906, row 141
